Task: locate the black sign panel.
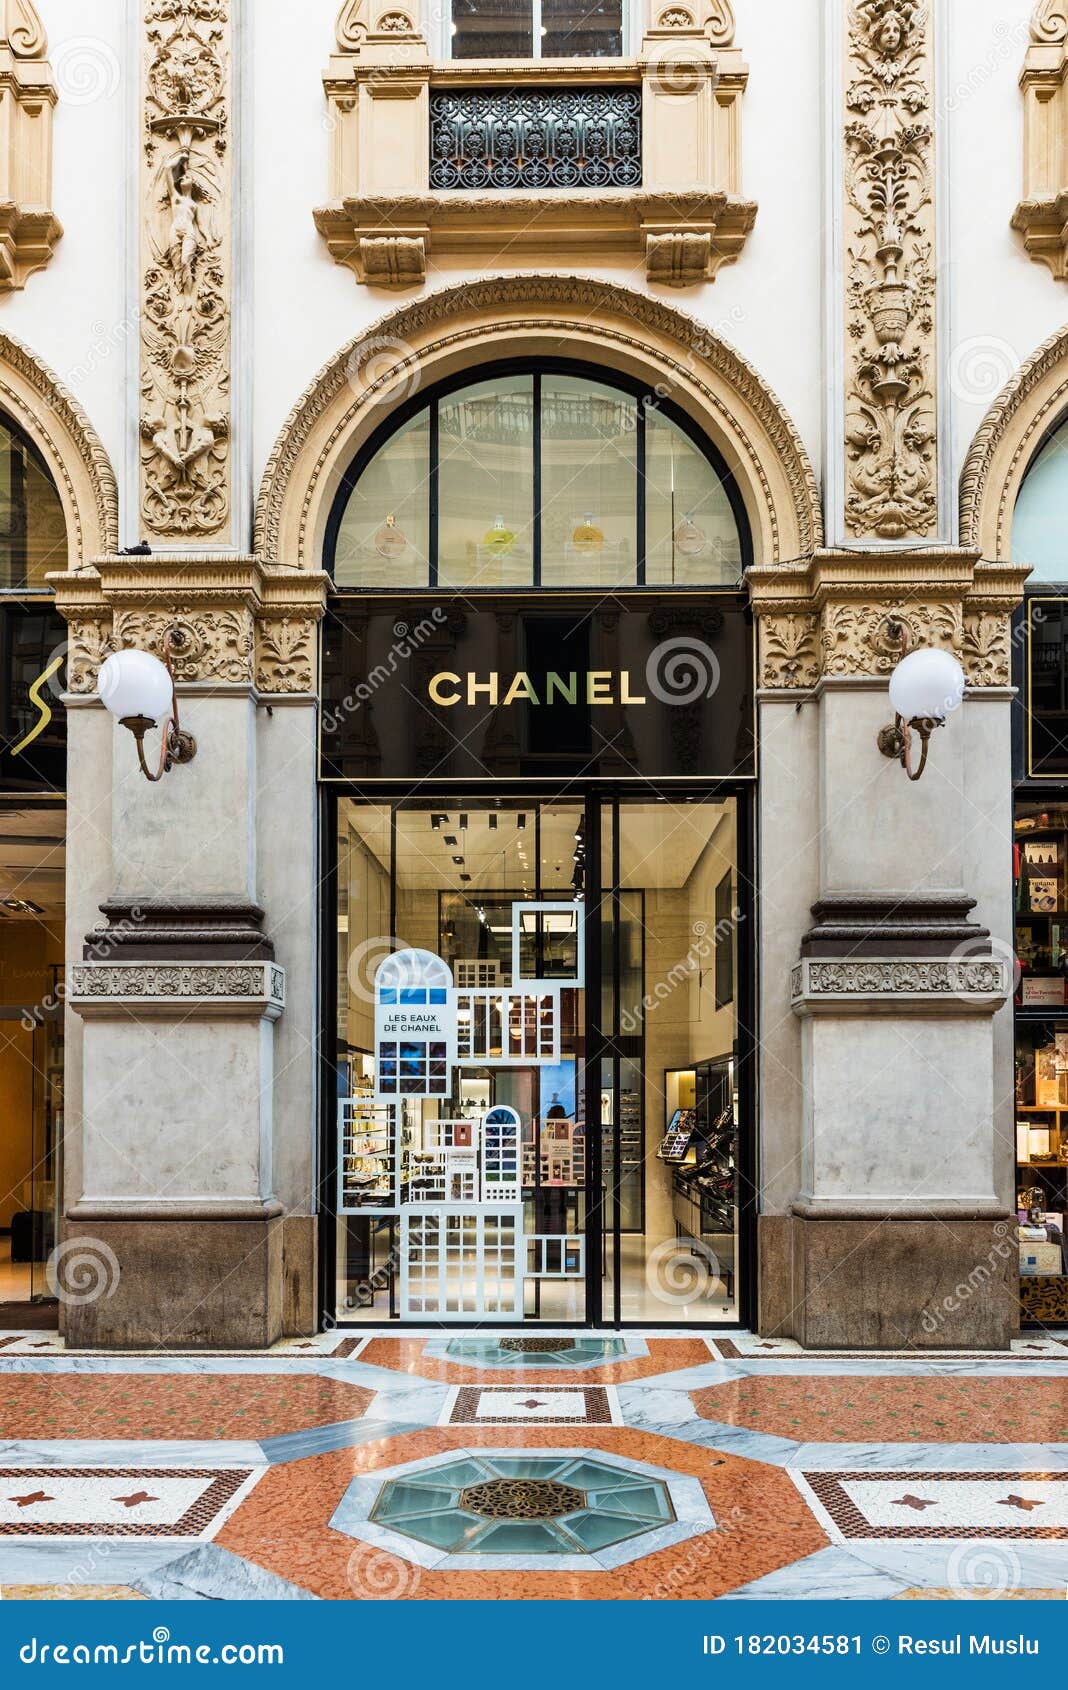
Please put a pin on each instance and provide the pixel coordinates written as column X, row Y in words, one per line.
column 647, row 687
column 33, row 722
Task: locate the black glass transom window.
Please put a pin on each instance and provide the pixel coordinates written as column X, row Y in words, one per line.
column 536, row 29
column 538, row 476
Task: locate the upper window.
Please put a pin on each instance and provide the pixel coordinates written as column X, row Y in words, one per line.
column 536, row 29
column 33, row 533
column 1040, row 520
column 538, row 477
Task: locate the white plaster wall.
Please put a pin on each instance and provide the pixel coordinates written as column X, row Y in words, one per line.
column 1002, row 305
column 767, row 305
column 73, row 314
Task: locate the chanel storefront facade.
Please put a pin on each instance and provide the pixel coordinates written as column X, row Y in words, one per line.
column 533, row 502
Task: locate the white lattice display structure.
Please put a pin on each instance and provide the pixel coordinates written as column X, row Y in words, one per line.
column 501, row 1168
column 462, row 1261
column 503, row 1026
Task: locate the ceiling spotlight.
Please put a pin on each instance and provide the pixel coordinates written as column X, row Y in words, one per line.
column 438, row 821
column 465, row 877
column 458, row 861
column 493, row 823
column 463, row 824
column 451, row 839
column 521, row 822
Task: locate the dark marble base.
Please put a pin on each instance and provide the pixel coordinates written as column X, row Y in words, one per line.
column 181, row 1284
column 889, row 1284
column 300, row 1276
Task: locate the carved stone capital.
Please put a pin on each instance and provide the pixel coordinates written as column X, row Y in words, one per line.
column 891, row 476
column 235, row 622
column 840, row 615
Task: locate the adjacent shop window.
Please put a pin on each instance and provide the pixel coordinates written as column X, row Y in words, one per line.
column 539, row 477
column 1039, row 526
column 536, row 29
column 1040, row 854
column 33, row 535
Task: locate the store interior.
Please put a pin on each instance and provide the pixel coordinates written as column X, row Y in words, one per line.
column 643, row 1218
column 32, row 866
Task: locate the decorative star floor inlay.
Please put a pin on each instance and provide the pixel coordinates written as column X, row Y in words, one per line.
column 951, row 1504
column 499, row 1405
column 99, row 1501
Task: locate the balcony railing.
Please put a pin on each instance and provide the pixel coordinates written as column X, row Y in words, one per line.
column 536, row 138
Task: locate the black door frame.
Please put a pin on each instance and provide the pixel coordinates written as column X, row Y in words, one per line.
column 595, row 795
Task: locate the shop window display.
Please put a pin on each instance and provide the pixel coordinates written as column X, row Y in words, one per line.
column 1041, row 841
column 468, row 1184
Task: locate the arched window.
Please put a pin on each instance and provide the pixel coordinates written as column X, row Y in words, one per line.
column 541, row 475
column 1040, row 520
column 33, row 533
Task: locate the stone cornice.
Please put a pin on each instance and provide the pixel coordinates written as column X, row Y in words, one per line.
column 836, row 614
column 237, row 620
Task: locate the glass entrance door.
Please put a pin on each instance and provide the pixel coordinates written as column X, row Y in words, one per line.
column 536, row 1070
column 669, row 1106
column 461, row 1062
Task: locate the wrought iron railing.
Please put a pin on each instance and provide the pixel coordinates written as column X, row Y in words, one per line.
column 536, row 138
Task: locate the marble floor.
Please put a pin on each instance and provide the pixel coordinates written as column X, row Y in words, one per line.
column 562, row 1465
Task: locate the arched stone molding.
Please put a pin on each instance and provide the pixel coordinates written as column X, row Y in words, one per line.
column 465, row 325
column 35, row 399
column 1011, row 433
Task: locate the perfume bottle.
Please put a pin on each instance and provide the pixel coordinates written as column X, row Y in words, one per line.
column 500, row 537
column 587, row 535
column 689, row 539
column 390, row 540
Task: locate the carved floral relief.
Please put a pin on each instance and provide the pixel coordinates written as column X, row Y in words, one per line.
column 187, row 259
column 891, row 471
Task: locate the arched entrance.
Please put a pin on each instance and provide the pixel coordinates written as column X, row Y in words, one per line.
column 536, row 503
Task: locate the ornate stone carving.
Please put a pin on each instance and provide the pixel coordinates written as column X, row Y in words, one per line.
column 187, row 269
column 29, row 231
column 468, row 315
column 140, row 981
column 1049, row 22
column 208, row 645
column 790, row 651
column 91, row 642
column 1002, row 449
column 891, row 432
column 285, row 655
column 985, row 977
column 678, row 260
column 839, row 616
column 33, row 394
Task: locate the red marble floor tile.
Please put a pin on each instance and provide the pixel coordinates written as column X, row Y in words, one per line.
column 763, row 1524
column 173, row 1405
column 405, row 1355
column 953, row 1409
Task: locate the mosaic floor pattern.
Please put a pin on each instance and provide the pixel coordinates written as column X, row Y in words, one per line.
column 551, row 1465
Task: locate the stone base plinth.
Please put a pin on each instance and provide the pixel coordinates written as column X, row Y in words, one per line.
column 172, row 1284
column 938, row 1282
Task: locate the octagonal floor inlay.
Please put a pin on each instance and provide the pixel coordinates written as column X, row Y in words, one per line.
column 570, row 1503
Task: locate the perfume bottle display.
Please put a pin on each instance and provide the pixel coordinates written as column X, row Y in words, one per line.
column 690, row 540
column 390, row 540
column 500, row 537
column 587, row 535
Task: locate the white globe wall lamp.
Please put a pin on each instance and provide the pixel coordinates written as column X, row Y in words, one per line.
column 139, row 691
column 925, row 688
